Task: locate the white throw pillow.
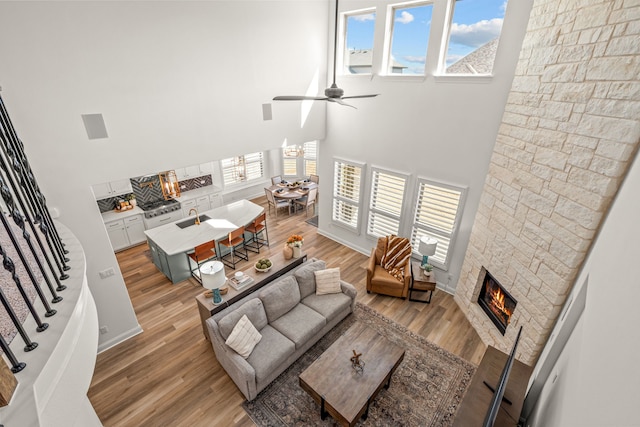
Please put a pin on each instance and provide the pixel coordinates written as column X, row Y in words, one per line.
column 328, row 281
column 244, row 337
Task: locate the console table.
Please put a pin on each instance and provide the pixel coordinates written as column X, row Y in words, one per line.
column 475, row 404
column 280, row 267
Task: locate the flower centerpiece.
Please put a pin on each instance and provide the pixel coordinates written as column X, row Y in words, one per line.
column 295, row 242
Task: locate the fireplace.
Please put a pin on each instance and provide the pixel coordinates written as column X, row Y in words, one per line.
column 496, row 302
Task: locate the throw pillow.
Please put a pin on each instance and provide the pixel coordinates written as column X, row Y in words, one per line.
column 396, row 256
column 328, row 281
column 244, row 337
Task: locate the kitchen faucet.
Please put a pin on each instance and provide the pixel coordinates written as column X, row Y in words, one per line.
column 197, row 215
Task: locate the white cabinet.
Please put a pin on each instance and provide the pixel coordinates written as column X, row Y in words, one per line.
column 112, row 189
column 194, row 171
column 135, row 229
column 215, row 200
column 117, row 234
column 200, row 203
column 126, row 232
column 203, row 203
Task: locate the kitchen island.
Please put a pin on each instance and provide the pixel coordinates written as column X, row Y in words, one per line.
column 169, row 243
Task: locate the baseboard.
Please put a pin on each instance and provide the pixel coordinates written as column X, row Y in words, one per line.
column 119, row 338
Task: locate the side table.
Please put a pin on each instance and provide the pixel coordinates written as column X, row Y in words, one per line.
column 421, row 283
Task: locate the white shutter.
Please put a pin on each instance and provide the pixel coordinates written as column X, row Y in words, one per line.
column 347, row 181
column 253, row 166
column 290, row 166
column 310, row 158
column 385, row 205
column 438, row 214
column 231, row 170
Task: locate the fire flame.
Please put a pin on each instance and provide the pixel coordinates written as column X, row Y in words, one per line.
column 497, row 301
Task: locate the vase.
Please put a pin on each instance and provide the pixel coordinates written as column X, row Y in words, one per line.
column 287, row 251
column 297, row 252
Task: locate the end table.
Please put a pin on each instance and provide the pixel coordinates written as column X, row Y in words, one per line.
column 421, row 283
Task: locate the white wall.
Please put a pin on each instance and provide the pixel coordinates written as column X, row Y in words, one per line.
column 597, row 373
column 431, row 128
column 178, row 83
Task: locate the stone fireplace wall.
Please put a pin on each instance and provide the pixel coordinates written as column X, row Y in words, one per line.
column 569, row 130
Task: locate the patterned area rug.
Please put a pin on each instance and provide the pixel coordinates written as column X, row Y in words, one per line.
column 425, row 390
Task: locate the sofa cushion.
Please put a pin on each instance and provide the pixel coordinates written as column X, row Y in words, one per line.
column 244, row 337
column 280, row 297
column 272, row 351
column 306, row 278
column 328, row 305
column 327, row 281
column 254, row 311
column 299, row 324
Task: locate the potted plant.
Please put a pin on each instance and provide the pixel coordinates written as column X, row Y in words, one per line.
column 428, row 269
column 131, row 198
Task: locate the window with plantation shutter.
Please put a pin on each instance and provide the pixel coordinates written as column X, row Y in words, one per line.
column 347, row 181
column 290, row 166
column 385, row 204
column 236, row 170
column 311, row 158
column 438, row 214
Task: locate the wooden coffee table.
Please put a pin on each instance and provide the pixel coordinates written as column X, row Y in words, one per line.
column 334, row 384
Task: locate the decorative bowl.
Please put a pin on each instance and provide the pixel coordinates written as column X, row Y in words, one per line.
column 263, row 265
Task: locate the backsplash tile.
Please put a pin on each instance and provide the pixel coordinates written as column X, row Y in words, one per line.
column 195, row 183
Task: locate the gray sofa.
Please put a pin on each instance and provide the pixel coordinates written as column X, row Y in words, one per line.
column 289, row 316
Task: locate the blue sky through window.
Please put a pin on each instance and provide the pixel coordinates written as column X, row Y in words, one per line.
column 475, row 23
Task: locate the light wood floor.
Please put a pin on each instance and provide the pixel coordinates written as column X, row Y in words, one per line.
column 169, row 376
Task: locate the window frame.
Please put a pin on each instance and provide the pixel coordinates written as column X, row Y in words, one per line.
column 373, row 210
column 241, row 162
column 341, row 63
column 341, row 198
column 441, row 70
column 310, row 154
column 419, row 229
column 388, row 38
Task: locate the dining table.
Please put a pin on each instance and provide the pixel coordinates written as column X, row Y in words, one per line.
column 288, row 191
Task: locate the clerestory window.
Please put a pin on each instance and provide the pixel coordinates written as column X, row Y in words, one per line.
column 358, row 42
column 473, row 36
column 408, row 38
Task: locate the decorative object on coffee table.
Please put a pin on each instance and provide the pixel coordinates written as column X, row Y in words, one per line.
column 287, row 251
column 356, row 363
column 263, row 265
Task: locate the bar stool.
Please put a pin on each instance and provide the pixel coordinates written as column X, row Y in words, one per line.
column 258, row 226
column 201, row 254
column 234, row 241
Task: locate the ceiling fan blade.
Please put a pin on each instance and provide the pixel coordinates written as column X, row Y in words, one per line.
column 341, row 102
column 299, row 98
column 360, row 96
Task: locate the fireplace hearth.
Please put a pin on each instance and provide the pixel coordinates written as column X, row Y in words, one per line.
column 496, row 302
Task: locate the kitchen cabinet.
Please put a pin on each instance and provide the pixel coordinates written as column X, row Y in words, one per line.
column 175, row 267
column 201, row 203
column 135, row 229
column 111, row 189
column 126, row 232
column 117, row 234
column 215, row 200
column 194, row 171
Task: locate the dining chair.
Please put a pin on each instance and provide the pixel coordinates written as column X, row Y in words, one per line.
column 201, row 254
column 306, row 201
column 256, row 228
column 276, row 179
column 235, row 243
column 314, row 178
column 276, row 203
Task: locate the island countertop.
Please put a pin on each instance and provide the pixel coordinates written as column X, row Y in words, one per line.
column 175, row 240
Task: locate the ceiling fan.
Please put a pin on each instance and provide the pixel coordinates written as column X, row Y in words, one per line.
column 332, row 93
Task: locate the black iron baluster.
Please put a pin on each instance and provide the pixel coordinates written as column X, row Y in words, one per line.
column 9, row 266
column 15, row 365
column 13, row 150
